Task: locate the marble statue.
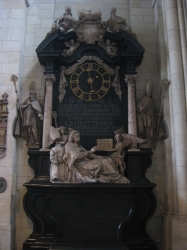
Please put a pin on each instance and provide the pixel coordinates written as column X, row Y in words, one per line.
column 118, row 153
column 109, row 47
column 88, row 166
column 116, row 22
column 148, row 117
column 59, row 170
column 72, row 45
column 64, row 23
column 29, row 121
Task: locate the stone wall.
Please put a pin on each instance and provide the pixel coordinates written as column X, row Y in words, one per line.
column 12, row 33
column 23, row 28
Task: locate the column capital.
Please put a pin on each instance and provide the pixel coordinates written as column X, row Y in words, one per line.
column 130, row 80
column 50, row 79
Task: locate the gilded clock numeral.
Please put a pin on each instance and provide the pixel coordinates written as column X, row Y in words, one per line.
column 105, row 73
column 90, row 66
column 106, row 81
column 75, row 89
column 104, row 89
column 81, row 95
column 90, row 97
column 74, row 81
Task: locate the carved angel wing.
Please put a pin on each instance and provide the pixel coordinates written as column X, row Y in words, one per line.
column 129, row 139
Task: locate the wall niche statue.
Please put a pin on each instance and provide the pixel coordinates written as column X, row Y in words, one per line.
column 29, row 120
column 147, row 118
column 3, row 124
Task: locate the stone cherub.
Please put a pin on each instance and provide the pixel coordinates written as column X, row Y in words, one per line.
column 116, row 22
column 72, row 45
column 118, row 153
column 109, row 47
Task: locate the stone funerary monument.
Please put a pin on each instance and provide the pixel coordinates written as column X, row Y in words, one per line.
column 89, row 190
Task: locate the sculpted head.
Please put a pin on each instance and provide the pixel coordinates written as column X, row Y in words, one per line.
column 68, row 9
column 32, row 96
column 61, row 130
column 113, row 10
column 74, row 136
column 117, row 137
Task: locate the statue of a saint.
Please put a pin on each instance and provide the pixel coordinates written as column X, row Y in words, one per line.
column 116, row 22
column 29, row 121
column 148, row 117
column 88, row 166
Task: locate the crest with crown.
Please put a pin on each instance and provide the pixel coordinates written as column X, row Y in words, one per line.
column 90, row 28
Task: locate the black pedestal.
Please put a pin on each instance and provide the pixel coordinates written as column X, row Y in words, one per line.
column 89, row 216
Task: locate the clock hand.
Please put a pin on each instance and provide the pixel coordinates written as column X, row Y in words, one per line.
column 90, row 81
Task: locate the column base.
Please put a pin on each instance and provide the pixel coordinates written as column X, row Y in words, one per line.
column 167, row 231
column 178, row 233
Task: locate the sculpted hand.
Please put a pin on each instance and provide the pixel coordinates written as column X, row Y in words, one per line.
column 41, row 117
column 92, row 150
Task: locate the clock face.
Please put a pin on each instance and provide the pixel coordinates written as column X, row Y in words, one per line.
column 90, row 81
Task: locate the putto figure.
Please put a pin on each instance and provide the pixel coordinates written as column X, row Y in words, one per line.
column 122, row 141
column 116, row 22
column 109, row 47
column 29, row 121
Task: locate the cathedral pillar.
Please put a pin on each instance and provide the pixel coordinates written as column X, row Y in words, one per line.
column 132, row 123
column 50, row 79
column 178, row 107
column 178, row 103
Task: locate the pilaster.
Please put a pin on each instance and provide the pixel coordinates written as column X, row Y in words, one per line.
column 50, row 79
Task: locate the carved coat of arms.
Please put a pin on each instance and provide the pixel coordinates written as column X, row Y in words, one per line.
column 89, row 28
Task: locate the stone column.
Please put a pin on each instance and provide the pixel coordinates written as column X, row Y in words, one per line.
column 178, row 104
column 50, row 79
column 132, row 123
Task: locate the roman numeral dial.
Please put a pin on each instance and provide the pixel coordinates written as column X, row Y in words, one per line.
column 90, row 81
